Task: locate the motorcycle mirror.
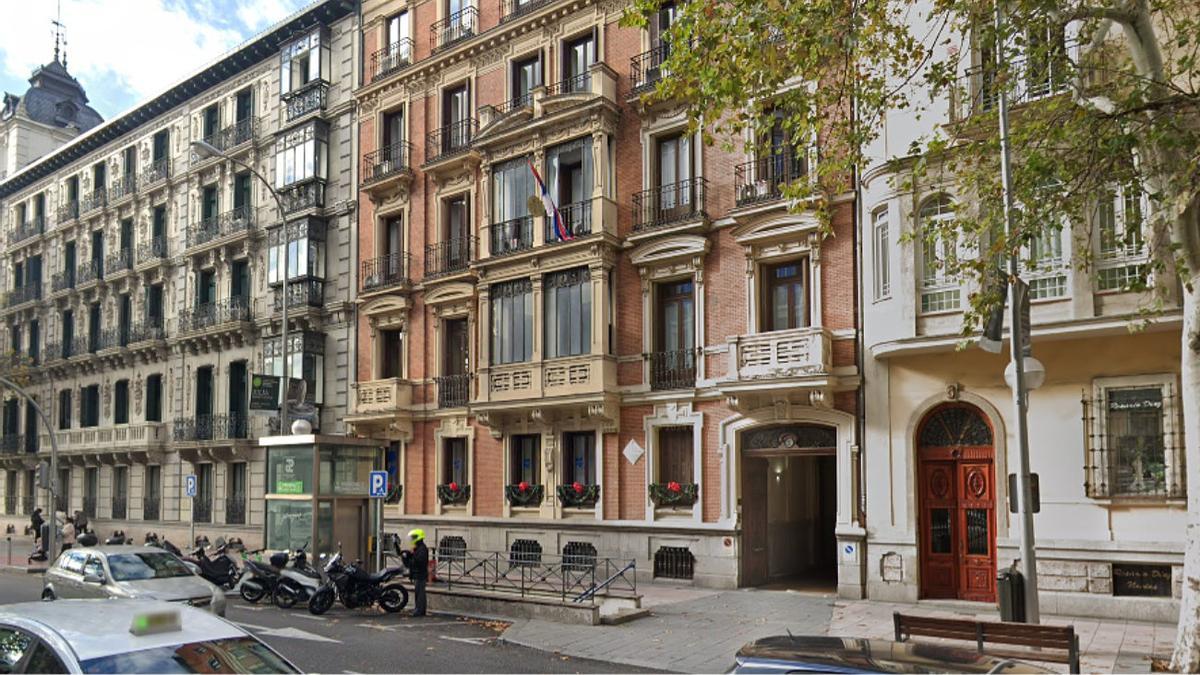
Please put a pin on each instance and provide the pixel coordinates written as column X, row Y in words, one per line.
column 220, row 542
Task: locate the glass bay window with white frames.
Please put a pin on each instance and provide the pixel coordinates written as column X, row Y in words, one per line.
column 302, row 166
column 305, row 263
column 306, row 361
column 304, row 73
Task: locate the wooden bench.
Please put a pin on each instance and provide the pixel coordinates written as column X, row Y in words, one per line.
column 1061, row 639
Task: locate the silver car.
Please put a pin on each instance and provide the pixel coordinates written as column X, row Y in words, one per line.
column 129, row 572
column 127, row 636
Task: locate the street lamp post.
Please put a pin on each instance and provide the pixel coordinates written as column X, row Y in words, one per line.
column 205, row 150
column 52, row 544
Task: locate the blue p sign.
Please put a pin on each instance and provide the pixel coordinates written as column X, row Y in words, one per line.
column 379, row 483
column 189, row 485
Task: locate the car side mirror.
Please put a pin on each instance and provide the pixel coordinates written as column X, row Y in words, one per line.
column 93, row 579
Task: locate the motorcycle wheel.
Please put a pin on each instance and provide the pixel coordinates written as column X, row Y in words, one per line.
column 393, row 599
column 321, row 601
column 252, row 594
column 284, row 596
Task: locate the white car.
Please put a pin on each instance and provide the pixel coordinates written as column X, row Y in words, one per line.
column 129, row 572
column 127, row 636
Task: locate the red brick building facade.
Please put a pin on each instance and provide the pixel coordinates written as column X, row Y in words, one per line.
column 664, row 371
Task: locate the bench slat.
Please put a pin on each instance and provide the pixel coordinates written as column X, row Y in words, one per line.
column 1036, row 638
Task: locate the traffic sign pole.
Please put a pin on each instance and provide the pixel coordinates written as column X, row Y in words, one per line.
column 189, row 488
column 379, row 490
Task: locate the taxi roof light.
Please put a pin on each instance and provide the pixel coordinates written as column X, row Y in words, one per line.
column 156, row 622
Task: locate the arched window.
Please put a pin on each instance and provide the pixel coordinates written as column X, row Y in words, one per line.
column 939, row 251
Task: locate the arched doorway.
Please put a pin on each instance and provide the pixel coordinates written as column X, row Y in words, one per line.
column 957, row 497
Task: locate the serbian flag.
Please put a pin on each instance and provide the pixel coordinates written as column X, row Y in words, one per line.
column 560, row 228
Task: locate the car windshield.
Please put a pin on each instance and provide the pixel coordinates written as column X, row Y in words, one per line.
column 231, row 655
column 148, row 565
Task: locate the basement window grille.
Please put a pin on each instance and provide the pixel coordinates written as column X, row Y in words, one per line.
column 525, row 553
column 674, row 562
column 1134, row 441
column 451, row 548
column 579, row 555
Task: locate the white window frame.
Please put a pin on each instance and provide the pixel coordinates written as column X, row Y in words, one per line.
column 881, row 247
column 1119, row 259
column 936, row 284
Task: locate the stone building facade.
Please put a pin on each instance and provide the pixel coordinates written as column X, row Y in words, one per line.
column 143, row 281
column 1105, row 427
column 51, row 112
column 663, row 372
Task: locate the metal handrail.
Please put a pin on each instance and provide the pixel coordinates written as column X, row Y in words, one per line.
column 573, row 578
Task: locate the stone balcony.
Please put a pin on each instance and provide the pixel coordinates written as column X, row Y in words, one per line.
column 91, row 442
column 574, row 385
column 381, row 406
column 778, row 362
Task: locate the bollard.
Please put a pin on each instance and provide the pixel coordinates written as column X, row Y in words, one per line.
column 9, row 550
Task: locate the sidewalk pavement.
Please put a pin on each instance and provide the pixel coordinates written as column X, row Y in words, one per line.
column 699, row 631
column 14, row 553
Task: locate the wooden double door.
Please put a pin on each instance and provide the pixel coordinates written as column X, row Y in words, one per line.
column 957, row 505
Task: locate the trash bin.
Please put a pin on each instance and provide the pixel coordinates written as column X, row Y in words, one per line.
column 1010, row 594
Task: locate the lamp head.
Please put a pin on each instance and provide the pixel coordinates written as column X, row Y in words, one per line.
column 205, row 150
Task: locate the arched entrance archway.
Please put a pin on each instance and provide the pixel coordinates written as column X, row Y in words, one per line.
column 957, row 497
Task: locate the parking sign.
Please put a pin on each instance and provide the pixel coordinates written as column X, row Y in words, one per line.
column 189, row 485
column 379, row 484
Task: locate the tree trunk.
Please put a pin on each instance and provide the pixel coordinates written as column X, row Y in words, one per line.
column 1186, row 657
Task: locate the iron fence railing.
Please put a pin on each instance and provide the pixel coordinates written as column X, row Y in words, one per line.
column 1135, row 443
column 574, row 579
column 646, row 69
column 89, row 507
column 672, row 369
column 510, row 236
column 10, row 505
column 23, row 294
column 513, row 9
column 120, row 506
column 241, row 131
column 27, row 230
column 11, row 444
column 454, row 391
column 391, row 58
column 152, row 250
column 578, row 84
column 667, row 205
column 159, row 169
column 85, row 344
column 310, row 98
column 515, row 103
column 87, row 272
column 458, row 26
column 146, row 331
column 118, row 261
column 576, row 220
column 28, row 504
column 305, row 293
column 239, row 219
column 307, row 195
column 207, row 315
column 68, row 212
column 123, row 186
column 386, row 161
column 93, row 200
column 150, row 508
column 450, row 139
column 219, row 427
column 235, row 509
column 62, row 281
column 1025, row 80
column 202, row 510
column 62, row 502
column 448, row 257
column 385, row 271
column 763, row 179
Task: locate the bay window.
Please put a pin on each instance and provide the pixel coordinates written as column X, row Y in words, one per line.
column 301, row 154
column 512, row 321
column 306, row 360
column 306, row 252
column 512, row 185
column 568, row 308
column 303, row 61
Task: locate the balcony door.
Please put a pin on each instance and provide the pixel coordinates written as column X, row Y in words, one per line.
column 99, row 177
column 206, row 288
column 124, row 317
column 398, row 39
column 526, row 76
column 12, row 417
column 674, row 174
column 94, row 327
column 456, row 359
column 69, row 262
column 458, row 233
column 68, row 331
column 204, row 402
column 152, row 492
column 244, row 105
column 578, row 57
column 241, row 193
column 98, row 251
column 456, row 110
column 126, row 240
column 785, row 300
column 391, row 345
column 239, row 288
column 130, row 162
column 160, row 149
column 238, row 401
column 154, row 305
column 32, row 426
column 674, row 364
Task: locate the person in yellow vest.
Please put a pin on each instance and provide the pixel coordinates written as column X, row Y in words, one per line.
column 419, row 570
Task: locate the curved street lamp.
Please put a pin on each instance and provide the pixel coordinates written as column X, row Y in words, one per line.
column 206, row 150
column 51, row 545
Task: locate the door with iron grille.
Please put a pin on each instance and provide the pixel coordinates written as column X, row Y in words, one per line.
column 957, row 504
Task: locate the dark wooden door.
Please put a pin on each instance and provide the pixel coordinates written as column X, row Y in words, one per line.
column 957, row 505
column 754, row 521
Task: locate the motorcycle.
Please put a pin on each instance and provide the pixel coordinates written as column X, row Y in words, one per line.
column 358, row 588
column 298, row 582
column 259, row 580
column 219, row 569
column 117, row 539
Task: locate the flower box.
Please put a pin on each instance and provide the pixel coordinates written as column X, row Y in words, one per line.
column 674, row 494
column 579, row 496
column 453, row 494
column 524, row 494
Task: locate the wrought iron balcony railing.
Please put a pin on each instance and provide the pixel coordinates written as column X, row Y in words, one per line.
column 10, row 504
column 12, row 444
column 202, row 509
column 86, row 344
column 149, row 251
column 667, row 205
column 513, row 9
column 448, row 257
column 123, row 186
column 576, row 221
column 240, row 219
column 89, row 506
column 90, row 202
column 241, row 131
column 120, row 506
column 62, row 502
column 23, row 294
column 386, row 161
column 510, row 236
column 305, row 293
column 308, row 99
column 220, row 427
column 119, row 261
column 672, row 370
column 92, row 270
column 512, row 104
column 391, row 58
column 235, row 510
column 386, row 271
column 578, row 84
column 62, row 281
column 27, row 230
column 151, row 508
column 763, row 179
column 454, row 391
column 68, row 212
column 450, row 140
column 28, row 504
column 646, row 69
column 234, row 310
column 458, row 26
column 159, row 169
column 147, row 331
column 307, row 195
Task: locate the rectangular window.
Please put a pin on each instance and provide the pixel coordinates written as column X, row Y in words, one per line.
column 674, row 168
column 1135, row 445
column 512, row 321
column 579, row 458
column 208, row 204
column 121, row 402
column 526, row 76
column 64, row 409
column 568, row 308
column 675, row 455
column 940, row 287
column 129, row 162
column 454, row 461
column 161, row 145
column 235, row 484
column 399, row 41
column 456, row 347
column 882, row 246
column 89, row 408
column 569, row 180
column 241, row 191
column 512, row 185
column 391, row 352
column 301, row 155
column 154, row 398
column 456, row 106
column 35, row 341
column 578, row 56
column 525, row 459
column 211, row 123
column 786, row 298
column 15, row 334
column 1122, row 263
column 303, row 61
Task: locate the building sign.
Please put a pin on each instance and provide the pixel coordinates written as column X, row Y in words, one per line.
column 1143, row 580
column 1136, row 399
column 289, row 487
column 264, row 393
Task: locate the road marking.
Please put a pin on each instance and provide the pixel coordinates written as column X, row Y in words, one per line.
column 398, row 626
column 471, row 641
column 289, row 632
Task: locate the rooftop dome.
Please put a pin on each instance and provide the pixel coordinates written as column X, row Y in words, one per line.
column 54, row 98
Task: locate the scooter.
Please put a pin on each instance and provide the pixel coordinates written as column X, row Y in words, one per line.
column 259, row 580
column 221, row 569
column 358, row 588
column 117, row 539
column 298, row 582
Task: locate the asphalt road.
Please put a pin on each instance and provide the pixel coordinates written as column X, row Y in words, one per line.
column 346, row 641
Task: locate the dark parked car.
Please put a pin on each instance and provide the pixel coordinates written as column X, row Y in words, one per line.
column 815, row 654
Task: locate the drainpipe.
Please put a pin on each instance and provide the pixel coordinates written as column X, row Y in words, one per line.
column 859, row 314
